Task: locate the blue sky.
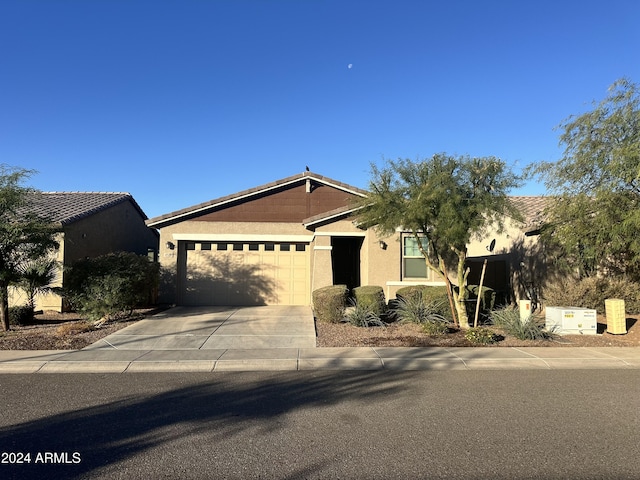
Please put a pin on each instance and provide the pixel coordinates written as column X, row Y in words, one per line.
column 180, row 102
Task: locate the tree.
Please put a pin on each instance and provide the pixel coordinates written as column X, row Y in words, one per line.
column 36, row 276
column 445, row 202
column 24, row 235
column 594, row 214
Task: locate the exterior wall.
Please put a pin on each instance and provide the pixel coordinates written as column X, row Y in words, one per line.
column 522, row 255
column 119, row 228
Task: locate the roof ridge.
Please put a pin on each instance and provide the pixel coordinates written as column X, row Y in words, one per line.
column 86, row 192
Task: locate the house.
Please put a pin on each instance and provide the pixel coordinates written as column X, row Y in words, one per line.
column 93, row 224
column 277, row 243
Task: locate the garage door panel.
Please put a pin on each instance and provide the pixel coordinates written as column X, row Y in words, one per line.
column 215, row 277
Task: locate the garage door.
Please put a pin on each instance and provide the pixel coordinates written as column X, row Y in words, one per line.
column 246, row 274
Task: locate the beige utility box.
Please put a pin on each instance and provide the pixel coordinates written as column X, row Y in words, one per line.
column 616, row 316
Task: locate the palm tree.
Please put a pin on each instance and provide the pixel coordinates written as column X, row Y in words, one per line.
column 36, row 277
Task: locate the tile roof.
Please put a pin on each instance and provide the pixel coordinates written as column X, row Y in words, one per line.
column 532, row 209
column 69, row 207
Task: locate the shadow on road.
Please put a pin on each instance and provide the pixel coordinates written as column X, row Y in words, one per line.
column 221, row 405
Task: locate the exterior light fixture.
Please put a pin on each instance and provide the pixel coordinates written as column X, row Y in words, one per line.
column 170, row 245
column 383, row 245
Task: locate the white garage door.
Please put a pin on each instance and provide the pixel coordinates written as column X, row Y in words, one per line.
column 247, row 273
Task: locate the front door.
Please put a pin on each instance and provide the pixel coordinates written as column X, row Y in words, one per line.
column 345, row 260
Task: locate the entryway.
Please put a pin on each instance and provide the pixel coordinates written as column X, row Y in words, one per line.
column 345, row 260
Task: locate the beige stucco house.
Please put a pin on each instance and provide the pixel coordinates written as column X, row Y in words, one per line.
column 92, row 224
column 277, row 243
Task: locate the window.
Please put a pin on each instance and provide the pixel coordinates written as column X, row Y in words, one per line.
column 205, row 246
column 301, row 247
column 237, row 247
column 190, row 246
column 253, row 247
column 285, row 247
column 221, row 246
column 413, row 263
column 269, row 247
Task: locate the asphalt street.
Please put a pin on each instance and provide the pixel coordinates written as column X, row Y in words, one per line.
column 581, row 424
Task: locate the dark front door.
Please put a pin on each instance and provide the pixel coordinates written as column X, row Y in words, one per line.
column 345, row 261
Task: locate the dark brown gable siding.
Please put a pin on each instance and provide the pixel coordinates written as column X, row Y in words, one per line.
column 289, row 205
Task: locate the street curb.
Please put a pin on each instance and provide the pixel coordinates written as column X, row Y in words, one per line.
column 307, row 359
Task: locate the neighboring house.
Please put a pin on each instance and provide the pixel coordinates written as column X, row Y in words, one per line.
column 277, row 243
column 93, row 224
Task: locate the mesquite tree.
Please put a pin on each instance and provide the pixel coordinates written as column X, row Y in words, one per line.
column 594, row 210
column 444, row 201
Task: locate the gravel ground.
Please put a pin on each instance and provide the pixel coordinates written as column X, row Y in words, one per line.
column 70, row 332
column 409, row 335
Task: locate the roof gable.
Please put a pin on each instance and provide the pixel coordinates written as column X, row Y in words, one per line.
column 291, row 199
column 68, row 207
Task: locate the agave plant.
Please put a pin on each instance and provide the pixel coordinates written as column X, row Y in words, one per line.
column 528, row 328
column 362, row 315
column 415, row 309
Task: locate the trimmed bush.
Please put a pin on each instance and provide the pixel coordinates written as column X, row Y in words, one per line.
column 329, row 303
column 488, row 298
column 436, row 295
column 592, row 292
column 372, row 297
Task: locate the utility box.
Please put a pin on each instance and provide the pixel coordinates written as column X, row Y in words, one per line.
column 616, row 317
column 571, row 320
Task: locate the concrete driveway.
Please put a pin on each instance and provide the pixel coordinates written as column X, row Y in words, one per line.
column 206, row 328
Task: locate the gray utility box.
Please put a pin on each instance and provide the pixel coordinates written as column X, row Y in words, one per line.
column 571, row 320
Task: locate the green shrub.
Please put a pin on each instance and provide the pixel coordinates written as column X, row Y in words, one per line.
column 362, row 315
column 529, row 328
column 329, row 303
column 435, row 328
column 436, row 295
column 372, row 297
column 480, row 335
column 112, row 285
column 416, row 309
column 21, row 315
column 488, row 298
column 592, row 292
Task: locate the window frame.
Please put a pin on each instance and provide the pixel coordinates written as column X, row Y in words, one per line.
column 404, row 257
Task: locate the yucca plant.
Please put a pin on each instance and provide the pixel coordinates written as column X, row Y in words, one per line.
column 362, row 315
column 528, row 328
column 415, row 309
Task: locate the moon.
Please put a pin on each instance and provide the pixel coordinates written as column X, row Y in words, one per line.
column 350, row 65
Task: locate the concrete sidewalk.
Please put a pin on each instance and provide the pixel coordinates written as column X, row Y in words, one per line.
column 360, row 358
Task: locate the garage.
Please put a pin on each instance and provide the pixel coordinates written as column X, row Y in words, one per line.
column 244, row 273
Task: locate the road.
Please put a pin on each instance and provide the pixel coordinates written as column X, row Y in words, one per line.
column 348, row 425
